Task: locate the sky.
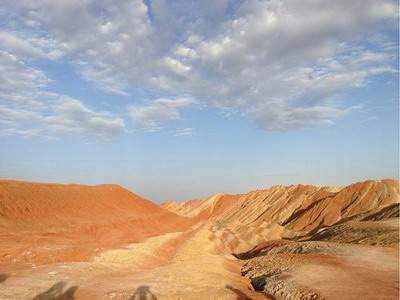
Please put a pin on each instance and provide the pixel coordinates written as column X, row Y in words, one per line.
column 182, row 99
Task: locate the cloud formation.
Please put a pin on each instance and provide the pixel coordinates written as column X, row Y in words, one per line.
column 284, row 65
column 184, row 131
column 63, row 116
column 151, row 116
column 72, row 116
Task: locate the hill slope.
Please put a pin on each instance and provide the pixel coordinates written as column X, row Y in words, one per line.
column 101, row 216
column 286, row 211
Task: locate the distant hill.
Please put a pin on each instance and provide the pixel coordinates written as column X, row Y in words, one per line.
column 286, row 211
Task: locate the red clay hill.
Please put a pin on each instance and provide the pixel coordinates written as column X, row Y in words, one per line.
column 82, row 217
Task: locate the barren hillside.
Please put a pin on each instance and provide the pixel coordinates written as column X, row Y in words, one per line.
column 285, row 242
column 78, row 218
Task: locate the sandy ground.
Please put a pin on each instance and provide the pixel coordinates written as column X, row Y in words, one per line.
column 366, row 273
column 171, row 266
column 325, row 270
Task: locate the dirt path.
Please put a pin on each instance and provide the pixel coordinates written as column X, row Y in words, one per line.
column 170, row 266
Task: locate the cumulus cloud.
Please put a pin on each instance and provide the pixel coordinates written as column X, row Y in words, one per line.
column 72, row 116
column 284, row 65
column 25, row 133
column 18, row 45
column 8, row 114
column 28, row 110
column 64, row 115
column 151, row 116
column 19, row 82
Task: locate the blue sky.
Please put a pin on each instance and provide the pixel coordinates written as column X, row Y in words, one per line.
column 183, row 99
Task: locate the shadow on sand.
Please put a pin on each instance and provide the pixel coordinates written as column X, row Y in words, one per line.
column 143, row 293
column 3, row 277
column 56, row 292
column 240, row 295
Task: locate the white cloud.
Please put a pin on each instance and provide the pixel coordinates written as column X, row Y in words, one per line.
column 27, row 133
column 18, row 45
column 176, row 66
column 72, row 116
column 184, row 132
column 16, row 115
column 27, row 109
column 185, row 52
column 19, row 83
column 282, row 64
column 63, row 116
column 281, row 118
column 151, row 116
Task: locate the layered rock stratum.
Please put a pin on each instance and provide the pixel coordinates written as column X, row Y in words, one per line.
column 285, row 242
